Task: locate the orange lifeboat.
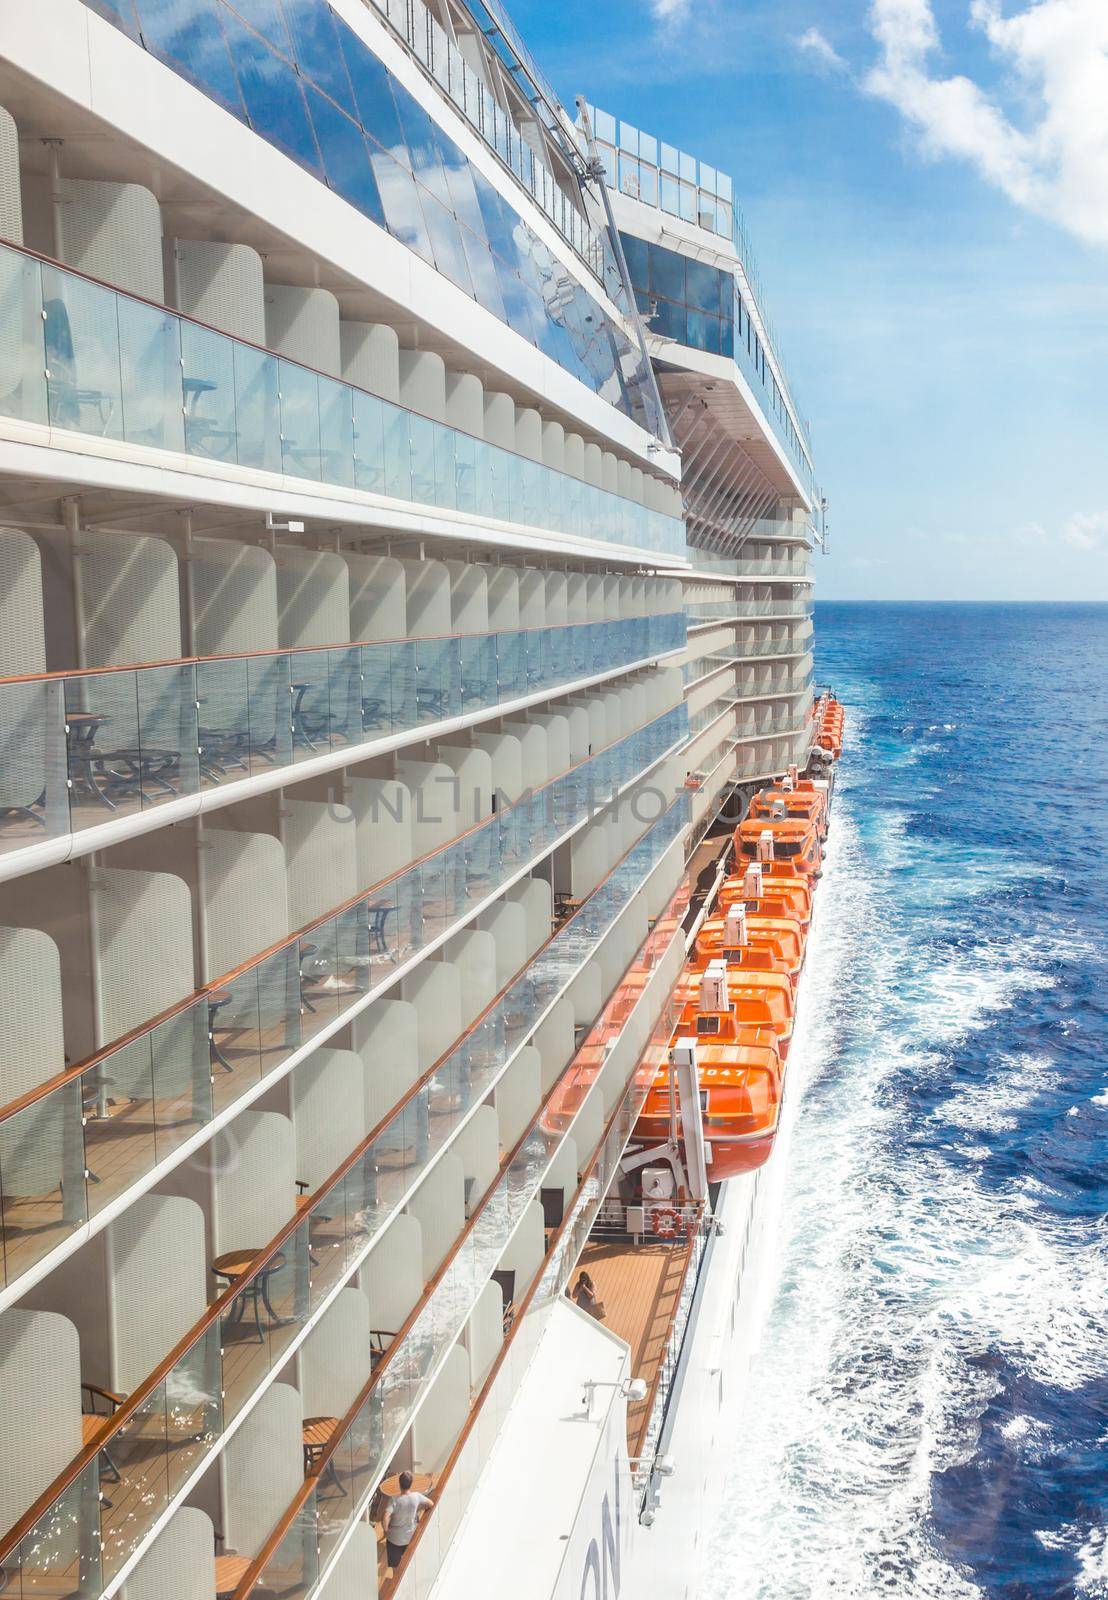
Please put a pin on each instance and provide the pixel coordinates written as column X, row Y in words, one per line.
column 767, row 896
column 832, row 720
column 740, row 1092
column 758, row 999
column 781, row 937
column 757, row 884
column 796, row 797
column 779, row 842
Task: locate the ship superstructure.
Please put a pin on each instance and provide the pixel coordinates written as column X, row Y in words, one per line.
column 392, row 600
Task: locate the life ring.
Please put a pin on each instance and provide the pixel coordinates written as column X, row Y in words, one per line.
column 665, row 1221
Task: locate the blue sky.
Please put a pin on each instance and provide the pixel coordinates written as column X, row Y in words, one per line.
column 926, row 185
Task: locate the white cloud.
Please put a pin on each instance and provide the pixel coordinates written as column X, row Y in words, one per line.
column 819, row 51
column 1054, row 162
column 670, row 12
column 1086, row 530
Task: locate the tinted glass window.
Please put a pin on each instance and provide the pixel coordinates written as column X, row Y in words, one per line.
column 703, row 331
column 266, row 17
column 726, row 337
column 667, row 273
column 637, row 260
column 400, row 198
column 422, row 144
column 703, row 286
column 449, row 255
column 188, row 36
column 316, row 47
column 271, row 90
column 497, row 218
column 345, row 157
column 482, row 269
column 118, row 11
column 669, row 321
column 373, row 94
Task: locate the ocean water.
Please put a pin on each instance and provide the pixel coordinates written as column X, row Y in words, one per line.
column 927, row 1414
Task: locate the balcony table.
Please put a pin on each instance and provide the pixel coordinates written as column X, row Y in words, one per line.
column 232, row 1265
column 317, row 1434
column 229, row 1573
column 217, row 999
column 81, row 728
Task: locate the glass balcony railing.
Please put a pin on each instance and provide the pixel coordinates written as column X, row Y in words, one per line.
column 80, row 356
column 793, row 722
column 106, row 1123
column 793, row 571
column 292, row 1560
column 175, row 1419
column 79, row 749
column 735, row 610
column 598, row 1170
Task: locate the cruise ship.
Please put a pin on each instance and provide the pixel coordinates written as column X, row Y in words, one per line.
column 405, row 525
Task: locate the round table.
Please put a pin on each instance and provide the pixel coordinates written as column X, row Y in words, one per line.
column 422, row 1483
column 317, row 1433
column 232, row 1265
column 229, row 1573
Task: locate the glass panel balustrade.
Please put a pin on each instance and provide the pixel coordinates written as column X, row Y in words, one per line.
column 181, row 1412
column 81, row 749
column 118, row 368
column 381, row 1418
column 115, row 1119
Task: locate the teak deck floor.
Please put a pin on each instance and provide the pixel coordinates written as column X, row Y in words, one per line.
column 640, row 1286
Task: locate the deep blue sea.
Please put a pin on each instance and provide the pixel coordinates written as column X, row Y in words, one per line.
column 927, row 1414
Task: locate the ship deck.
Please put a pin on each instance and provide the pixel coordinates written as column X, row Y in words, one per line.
column 640, row 1286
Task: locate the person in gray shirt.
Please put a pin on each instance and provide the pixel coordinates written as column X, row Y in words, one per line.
column 401, row 1516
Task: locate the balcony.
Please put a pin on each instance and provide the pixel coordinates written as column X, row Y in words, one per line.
column 792, row 571
column 102, row 1126
column 737, row 610
column 178, row 1416
column 79, row 750
column 81, row 357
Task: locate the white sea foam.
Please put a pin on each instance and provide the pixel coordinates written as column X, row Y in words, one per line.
column 898, row 1268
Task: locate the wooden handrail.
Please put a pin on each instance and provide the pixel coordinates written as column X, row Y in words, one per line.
column 273, row 1542
column 179, row 1007
column 138, row 1397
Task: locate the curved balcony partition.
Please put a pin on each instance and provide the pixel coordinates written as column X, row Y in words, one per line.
column 162, row 1432
column 83, row 357
column 107, row 1122
column 83, row 748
